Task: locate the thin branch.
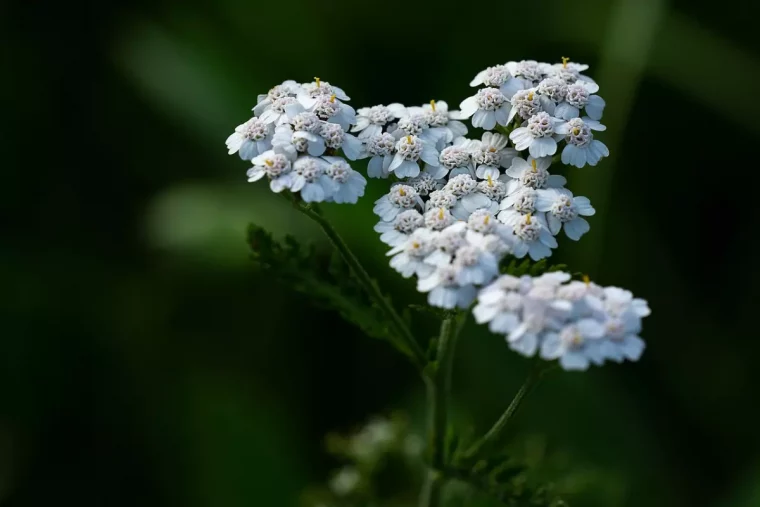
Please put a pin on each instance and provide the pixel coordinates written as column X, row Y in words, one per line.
column 411, row 348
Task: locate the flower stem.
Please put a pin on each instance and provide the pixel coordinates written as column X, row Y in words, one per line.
column 438, row 383
column 493, row 435
column 408, row 344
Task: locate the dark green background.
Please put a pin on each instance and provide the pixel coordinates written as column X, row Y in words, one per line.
column 144, row 362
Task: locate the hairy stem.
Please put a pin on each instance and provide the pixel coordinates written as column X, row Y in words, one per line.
column 400, row 329
column 438, row 383
column 493, row 435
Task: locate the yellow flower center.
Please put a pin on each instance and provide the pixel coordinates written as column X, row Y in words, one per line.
column 332, row 98
column 490, row 180
column 486, row 219
column 401, row 192
column 440, row 213
column 564, row 62
column 415, row 245
column 576, row 131
column 492, row 149
column 527, row 219
column 533, row 163
column 530, row 96
column 318, row 82
column 586, row 280
column 432, row 104
column 408, row 139
column 269, row 162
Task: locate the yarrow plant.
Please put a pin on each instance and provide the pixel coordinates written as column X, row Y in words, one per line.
column 471, row 217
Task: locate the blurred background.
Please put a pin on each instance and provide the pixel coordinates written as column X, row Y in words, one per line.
column 144, row 361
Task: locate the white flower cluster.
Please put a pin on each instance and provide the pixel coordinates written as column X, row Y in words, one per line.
column 545, row 102
column 439, row 219
column 577, row 322
column 294, row 139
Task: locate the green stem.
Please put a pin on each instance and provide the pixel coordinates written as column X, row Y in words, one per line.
column 438, row 382
column 495, row 433
column 402, row 331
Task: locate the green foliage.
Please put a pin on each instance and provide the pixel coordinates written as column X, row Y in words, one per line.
column 324, row 278
column 505, row 479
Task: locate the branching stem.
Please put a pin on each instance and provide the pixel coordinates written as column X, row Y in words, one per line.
column 404, row 335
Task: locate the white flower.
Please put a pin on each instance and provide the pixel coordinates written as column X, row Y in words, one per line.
column 553, row 88
column 381, row 149
column 348, row 184
column 530, row 70
column 575, row 293
column 330, row 109
column 444, row 289
column 302, row 141
column 265, row 101
column 309, row 93
column 522, row 200
column 415, row 123
column 307, row 121
column 438, row 218
column 524, row 103
column 446, row 243
column 621, row 315
column 250, row 139
column 335, row 137
column 487, row 108
column 276, row 166
column 499, row 308
column 400, row 198
column 281, row 110
column 563, row 209
column 408, row 258
column 443, row 198
column 622, row 340
column 396, row 232
column 570, row 72
column 371, row 120
column 576, row 345
column 535, row 320
column 437, row 115
column 533, row 173
column 491, row 153
column 537, row 135
column 494, row 189
column 531, row 235
column 579, row 96
column 499, row 77
column 472, row 202
column 582, row 148
column 476, row 265
column 409, row 150
column 424, row 183
column 309, row 178
column 455, row 158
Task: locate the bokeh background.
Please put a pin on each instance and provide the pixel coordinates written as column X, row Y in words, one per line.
column 144, row 361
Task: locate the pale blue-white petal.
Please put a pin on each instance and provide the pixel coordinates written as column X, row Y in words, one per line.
column 543, row 147
column 576, row 228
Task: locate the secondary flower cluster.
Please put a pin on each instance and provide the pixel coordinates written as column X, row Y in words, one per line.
column 577, row 322
column 294, row 137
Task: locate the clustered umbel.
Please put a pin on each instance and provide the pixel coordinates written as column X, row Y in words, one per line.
column 295, row 140
column 459, row 206
column 576, row 322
